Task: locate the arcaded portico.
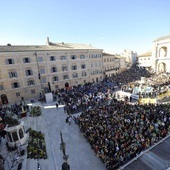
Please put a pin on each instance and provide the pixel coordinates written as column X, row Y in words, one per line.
column 161, row 54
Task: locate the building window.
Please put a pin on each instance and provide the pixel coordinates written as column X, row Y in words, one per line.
column 83, row 66
column 91, row 64
column 55, row 78
column 40, row 59
column 56, row 87
column 53, row 69
column 26, row 60
column 74, row 67
column 32, row 91
column 95, row 64
column 65, row 77
column 63, row 57
column 17, row 94
column 9, row 137
column 43, row 80
column 84, row 74
column 15, row 136
column 21, row 134
column 10, row 61
column 64, row 68
column 75, row 75
column 82, row 56
column 28, row 72
column 1, row 87
column 73, row 57
column 15, row 85
column 52, row 58
column 42, row 70
column 30, row 82
column 13, row 74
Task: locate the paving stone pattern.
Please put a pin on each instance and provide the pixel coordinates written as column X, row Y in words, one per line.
column 51, row 122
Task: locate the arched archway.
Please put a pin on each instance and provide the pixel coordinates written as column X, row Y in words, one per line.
column 163, row 51
column 4, row 99
column 161, row 67
column 66, row 84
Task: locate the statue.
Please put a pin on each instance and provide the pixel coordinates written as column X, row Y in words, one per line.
column 11, row 119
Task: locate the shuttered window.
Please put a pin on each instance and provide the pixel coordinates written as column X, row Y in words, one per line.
column 10, row 61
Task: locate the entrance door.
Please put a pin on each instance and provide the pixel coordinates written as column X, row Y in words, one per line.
column 4, row 99
column 97, row 79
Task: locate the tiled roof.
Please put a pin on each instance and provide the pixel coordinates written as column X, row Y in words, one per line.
column 58, row 46
column 149, row 53
column 119, row 56
column 162, row 38
column 107, row 54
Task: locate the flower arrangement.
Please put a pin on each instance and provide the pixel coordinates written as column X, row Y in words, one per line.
column 36, row 145
column 35, row 111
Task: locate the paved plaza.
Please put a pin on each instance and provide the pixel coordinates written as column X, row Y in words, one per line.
column 51, row 122
column 81, row 156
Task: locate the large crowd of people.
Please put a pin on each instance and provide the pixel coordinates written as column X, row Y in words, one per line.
column 120, row 131
column 81, row 98
column 153, row 86
column 116, row 130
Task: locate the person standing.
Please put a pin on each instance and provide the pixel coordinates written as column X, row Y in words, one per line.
column 69, row 120
column 57, row 106
column 65, row 166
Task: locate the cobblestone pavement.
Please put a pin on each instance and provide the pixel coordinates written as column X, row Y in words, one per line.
column 51, row 122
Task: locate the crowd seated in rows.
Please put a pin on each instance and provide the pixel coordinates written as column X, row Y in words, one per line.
column 118, row 132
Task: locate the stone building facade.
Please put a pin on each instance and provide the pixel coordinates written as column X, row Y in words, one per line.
column 131, row 56
column 27, row 71
column 145, row 60
column 112, row 64
column 161, row 54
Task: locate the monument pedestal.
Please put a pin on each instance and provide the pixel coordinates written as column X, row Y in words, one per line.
column 49, row 97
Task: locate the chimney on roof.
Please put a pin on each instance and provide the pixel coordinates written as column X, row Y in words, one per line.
column 47, row 43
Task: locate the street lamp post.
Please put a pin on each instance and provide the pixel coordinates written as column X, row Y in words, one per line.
column 65, row 165
column 39, row 75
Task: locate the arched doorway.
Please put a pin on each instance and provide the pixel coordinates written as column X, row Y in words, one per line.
column 66, row 84
column 4, row 99
column 97, row 79
column 163, row 51
column 161, row 67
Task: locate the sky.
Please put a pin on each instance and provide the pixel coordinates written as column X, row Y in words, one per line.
column 111, row 25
